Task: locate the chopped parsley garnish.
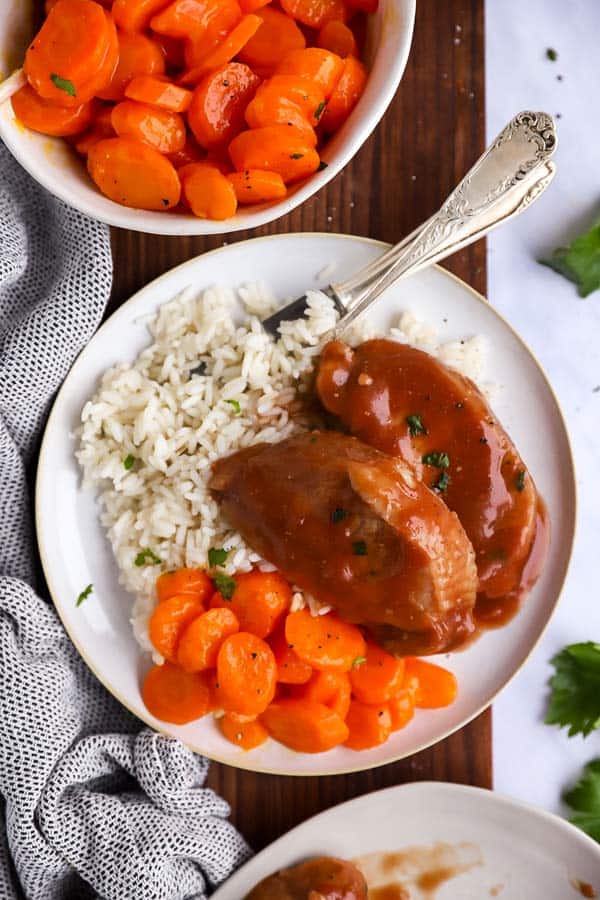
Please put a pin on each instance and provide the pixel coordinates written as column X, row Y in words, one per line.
column 84, row 594
column 520, row 480
column 441, row 485
column 584, row 799
column 236, row 406
column 579, row 261
column 338, row 515
column 63, row 84
column 320, row 109
column 217, row 556
column 415, row 425
column 296, row 155
column 225, row 585
column 322, row 165
column 575, row 686
column 147, row 556
column 128, row 462
column 551, row 54
column 358, row 661
column 437, row 459
column 359, row 548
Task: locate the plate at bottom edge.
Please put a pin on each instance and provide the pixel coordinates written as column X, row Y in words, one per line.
column 509, row 850
column 75, row 552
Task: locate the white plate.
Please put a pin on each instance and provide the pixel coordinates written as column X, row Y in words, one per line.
column 526, row 854
column 75, row 552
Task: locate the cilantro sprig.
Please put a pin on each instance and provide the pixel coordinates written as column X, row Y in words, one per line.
column 575, row 689
column 584, row 800
column 147, row 556
column 84, row 594
column 217, row 556
column 63, row 84
column 225, row 585
column 579, row 261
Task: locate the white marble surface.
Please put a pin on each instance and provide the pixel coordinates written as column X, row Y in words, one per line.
column 533, row 761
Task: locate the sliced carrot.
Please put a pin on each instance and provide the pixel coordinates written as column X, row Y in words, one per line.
column 358, row 25
column 219, row 159
column 259, row 600
column 249, row 6
column 280, row 111
column 246, row 674
column 160, row 93
column 436, row 686
column 173, row 51
column 277, row 36
column 402, row 708
column 216, row 113
column 41, row 115
column 225, row 50
column 257, row 186
column 209, row 195
column 183, row 19
column 377, row 676
column 304, row 726
column 165, row 131
column 135, row 15
column 290, row 668
column 305, row 94
column 184, row 581
column 246, row 732
column 346, row 95
column 366, row 6
column 138, row 55
column 134, row 174
column 219, row 19
column 337, row 37
column 191, row 152
column 368, row 725
column 320, row 66
column 99, row 131
column 172, row 695
column 315, row 13
column 324, row 642
column 278, row 148
column 201, row 641
column 331, row 688
column 169, row 620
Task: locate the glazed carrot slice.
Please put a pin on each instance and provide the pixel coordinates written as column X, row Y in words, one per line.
column 290, row 668
column 135, row 15
column 366, row 6
column 173, row 695
column 280, row 111
column 246, row 674
column 165, row 131
column 184, row 581
column 324, row 642
column 243, row 731
column 209, row 195
column 437, row 687
column 41, row 115
column 305, row 94
column 190, row 153
column 345, row 96
column 278, row 148
column 225, row 50
column 304, row 726
column 134, row 174
column 259, row 600
column 160, row 93
column 368, row 726
column 172, row 49
column 257, row 186
column 337, row 37
column 169, row 620
column 219, row 19
column 317, row 65
column 201, row 641
column 183, row 19
column 315, row 13
column 100, row 130
column 277, row 36
column 402, row 708
column 331, row 688
column 138, row 55
column 377, row 676
column 249, row 6
column 216, row 113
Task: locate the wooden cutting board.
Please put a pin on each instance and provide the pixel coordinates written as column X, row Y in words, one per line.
column 432, row 133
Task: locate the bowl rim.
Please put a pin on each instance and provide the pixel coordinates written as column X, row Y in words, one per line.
column 43, row 465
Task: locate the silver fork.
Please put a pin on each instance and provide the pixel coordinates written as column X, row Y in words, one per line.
column 512, row 173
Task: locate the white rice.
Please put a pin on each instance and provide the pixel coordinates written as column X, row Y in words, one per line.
column 175, row 422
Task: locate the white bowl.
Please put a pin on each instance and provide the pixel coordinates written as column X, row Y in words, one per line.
column 75, row 551
column 54, row 164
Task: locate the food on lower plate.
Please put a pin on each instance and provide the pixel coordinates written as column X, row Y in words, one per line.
column 324, row 878
column 195, row 104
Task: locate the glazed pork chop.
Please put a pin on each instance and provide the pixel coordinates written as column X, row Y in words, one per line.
column 408, row 404
column 324, row 878
column 356, row 529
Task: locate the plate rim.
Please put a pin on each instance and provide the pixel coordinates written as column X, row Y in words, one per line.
column 43, row 466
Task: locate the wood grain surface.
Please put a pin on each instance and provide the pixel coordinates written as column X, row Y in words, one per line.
column 431, row 134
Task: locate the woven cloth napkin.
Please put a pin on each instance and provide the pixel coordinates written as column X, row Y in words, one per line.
column 92, row 805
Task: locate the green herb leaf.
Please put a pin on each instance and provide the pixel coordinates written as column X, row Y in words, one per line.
column 296, row 155
column 575, row 697
column 441, row 485
column 225, row 585
column 358, row 661
column 338, row 515
column 437, row 459
column 584, row 798
column 147, row 556
column 520, row 480
column 236, row 406
column 415, row 425
column 320, row 109
column 359, row 548
column 63, row 84
column 217, row 556
column 84, row 594
column 579, row 261
column 551, row 54
column 128, row 462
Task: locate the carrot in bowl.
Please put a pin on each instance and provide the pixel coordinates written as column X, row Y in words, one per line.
column 346, row 94
column 257, row 186
column 325, row 642
column 225, row 51
column 158, row 92
column 216, row 112
column 135, row 15
column 320, row 66
column 169, row 620
column 279, row 148
column 165, row 131
column 138, row 55
column 337, row 37
column 201, row 640
column 315, row 13
column 173, row 695
column 246, row 674
column 207, row 192
column 277, row 36
column 304, row 725
column 184, row 581
column 45, row 117
column 219, row 18
column 130, row 172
